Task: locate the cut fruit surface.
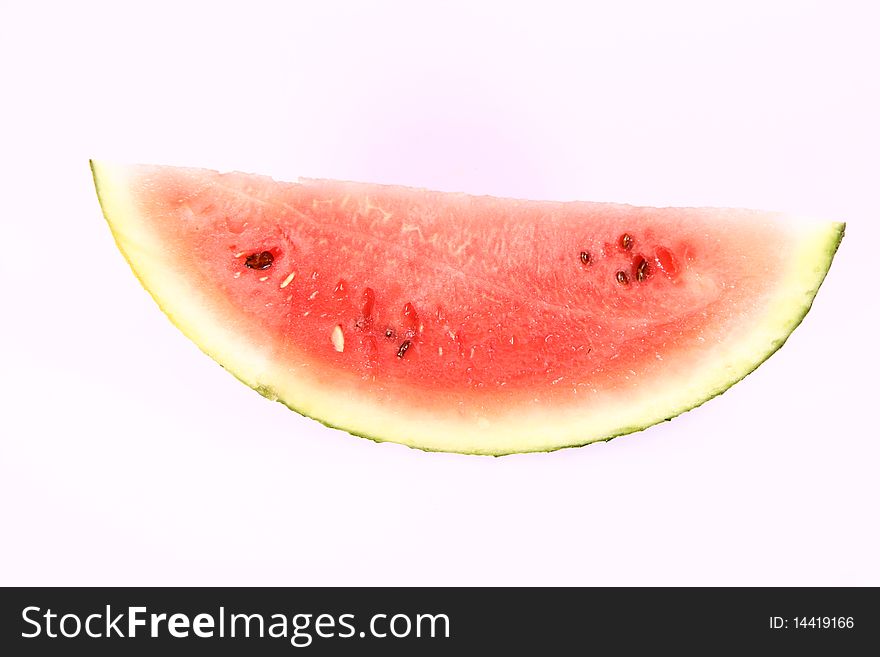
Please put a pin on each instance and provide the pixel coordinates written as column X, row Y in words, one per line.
column 462, row 323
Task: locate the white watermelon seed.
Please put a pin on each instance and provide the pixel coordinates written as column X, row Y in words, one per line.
column 287, row 281
column 337, row 338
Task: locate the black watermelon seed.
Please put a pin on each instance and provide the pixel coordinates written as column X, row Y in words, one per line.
column 622, row 278
column 585, row 258
column 262, row 260
column 403, row 347
column 642, row 270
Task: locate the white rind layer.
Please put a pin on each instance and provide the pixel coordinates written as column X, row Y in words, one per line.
column 520, row 428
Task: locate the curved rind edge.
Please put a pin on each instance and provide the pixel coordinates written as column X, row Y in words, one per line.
column 830, row 245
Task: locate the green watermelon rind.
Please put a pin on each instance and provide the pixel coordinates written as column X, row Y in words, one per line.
column 823, row 256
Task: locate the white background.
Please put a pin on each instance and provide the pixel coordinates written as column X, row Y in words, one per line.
column 129, row 457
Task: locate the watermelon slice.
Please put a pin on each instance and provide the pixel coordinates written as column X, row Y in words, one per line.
column 462, row 323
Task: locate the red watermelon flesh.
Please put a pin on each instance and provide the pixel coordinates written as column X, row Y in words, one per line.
column 449, row 321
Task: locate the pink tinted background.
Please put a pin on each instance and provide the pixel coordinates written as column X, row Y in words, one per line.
column 128, row 457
